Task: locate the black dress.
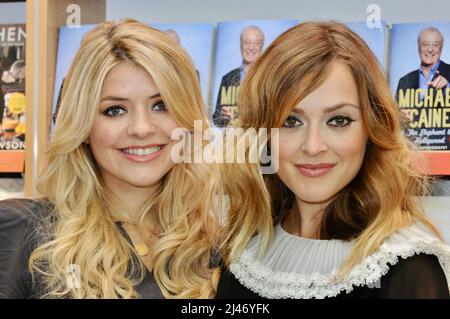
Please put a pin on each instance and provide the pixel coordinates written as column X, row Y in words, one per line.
column 418, row 274
column 20, row 221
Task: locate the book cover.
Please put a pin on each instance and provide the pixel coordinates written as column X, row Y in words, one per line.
column 69, row 41
column 239, row 44
column 197, row 40
column 12, row 97
column 419, row 78
column 373, row 36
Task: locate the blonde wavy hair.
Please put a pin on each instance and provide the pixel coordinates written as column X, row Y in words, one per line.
column 81, row 230
column 380, row 200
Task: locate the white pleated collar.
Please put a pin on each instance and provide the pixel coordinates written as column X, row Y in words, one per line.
column 296, row 267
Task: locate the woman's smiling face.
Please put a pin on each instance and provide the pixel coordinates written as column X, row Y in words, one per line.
column 131, row 136
column 323, row 141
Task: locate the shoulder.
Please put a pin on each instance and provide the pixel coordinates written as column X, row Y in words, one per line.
column 21, row 222
column 418, row 265
column 232, row 73
column 23, row 211
column 19, row 237
column 444, row 68
column 414, row 264
column 409, row 76
column 418, row 276
column 422, row 260
column 444, row 64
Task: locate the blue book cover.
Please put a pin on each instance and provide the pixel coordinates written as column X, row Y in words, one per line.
column 239, row 44
column 69, row 42
column 374, row 37
column 197, row 40
column 419, row 76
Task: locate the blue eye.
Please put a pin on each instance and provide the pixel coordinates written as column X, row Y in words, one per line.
column 340, row 121
column 159, row 107
column 114, row 111
column 292, row 122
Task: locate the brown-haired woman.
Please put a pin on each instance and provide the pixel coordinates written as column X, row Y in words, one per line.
column 340, row 217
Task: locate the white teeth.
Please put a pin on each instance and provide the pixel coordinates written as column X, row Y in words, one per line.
column 142, row 151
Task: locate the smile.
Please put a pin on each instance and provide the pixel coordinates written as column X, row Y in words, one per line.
column 142, row 151
column 315, row 170
column 142, row 154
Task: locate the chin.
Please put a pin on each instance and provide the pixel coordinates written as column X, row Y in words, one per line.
column 318, row 197
column 143, row 183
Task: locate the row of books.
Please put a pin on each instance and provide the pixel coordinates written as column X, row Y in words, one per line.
column 221, row 52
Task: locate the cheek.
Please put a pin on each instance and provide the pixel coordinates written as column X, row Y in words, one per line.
column 289, row 145
column 104, row 135
column 352, row 148
column 166, row 125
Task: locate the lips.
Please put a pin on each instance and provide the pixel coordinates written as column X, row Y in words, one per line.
column 144, row 153
column 315, row 170
column 140, row 151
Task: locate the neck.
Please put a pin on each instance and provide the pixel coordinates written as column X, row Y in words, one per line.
column 246, row 67
column 426, row 68
column 304, row 219
column 130, row 199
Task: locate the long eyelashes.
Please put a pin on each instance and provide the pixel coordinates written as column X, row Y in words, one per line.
column 118, row 110
column 338, row 121
column 292, row 122
column 114, row 111
column 159, row 106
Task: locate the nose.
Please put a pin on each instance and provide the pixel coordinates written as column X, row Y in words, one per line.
column 314, row 142
column 141, row 124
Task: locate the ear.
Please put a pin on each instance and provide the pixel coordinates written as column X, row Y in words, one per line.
column 87, row 141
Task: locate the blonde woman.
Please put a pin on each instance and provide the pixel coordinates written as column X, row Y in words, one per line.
column 119, row 219
column 339, row 219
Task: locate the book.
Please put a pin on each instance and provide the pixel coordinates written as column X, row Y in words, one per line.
column 239, row 44
column 373, row 36
column 197, row 40
column 69, row 41
column 415, row 65
column 12, row 97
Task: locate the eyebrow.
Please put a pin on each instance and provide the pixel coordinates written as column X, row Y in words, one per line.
column 118, row 98
column 330, row 108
